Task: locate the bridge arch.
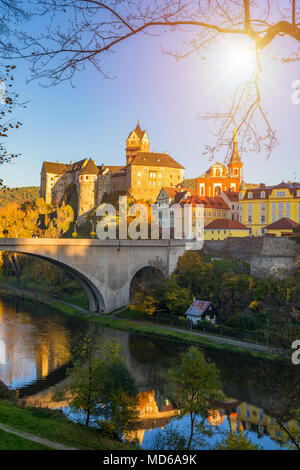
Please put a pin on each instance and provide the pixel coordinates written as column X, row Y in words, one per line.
column 146, row 275
column 95, row 298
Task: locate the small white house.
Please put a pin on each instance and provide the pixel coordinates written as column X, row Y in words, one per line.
column 201, row 310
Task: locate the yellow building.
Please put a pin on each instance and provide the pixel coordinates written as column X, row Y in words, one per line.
column 282, row 228
column 264, row 205
column 255, row 419
column 220, row 229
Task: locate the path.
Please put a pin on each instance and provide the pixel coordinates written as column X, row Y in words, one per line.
column 211, row 337
column 31, row 437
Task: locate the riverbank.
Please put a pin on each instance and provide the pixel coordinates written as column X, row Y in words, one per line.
column 57, row 431
column 134, row 326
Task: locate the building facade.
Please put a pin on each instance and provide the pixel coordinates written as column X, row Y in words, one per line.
column 220, row 178
column 143, row 176
column 263, row 205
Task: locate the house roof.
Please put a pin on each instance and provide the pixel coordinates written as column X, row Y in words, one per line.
column 232, row 195
column 171, row 192
column 188, row 183
column 155, row 159
column 90, row 168
column 111, row 168
column 139, row 132
column 225, row 224
column 60, row 168
column 291, row 186
column 197, row 308
column 208, row 202
column 283, row 224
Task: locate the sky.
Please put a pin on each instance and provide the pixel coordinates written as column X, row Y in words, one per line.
column 93, row 119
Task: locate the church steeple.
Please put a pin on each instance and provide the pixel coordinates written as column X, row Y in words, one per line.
column 235, row 165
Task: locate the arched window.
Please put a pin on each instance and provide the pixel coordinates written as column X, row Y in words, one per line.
column 217, row 191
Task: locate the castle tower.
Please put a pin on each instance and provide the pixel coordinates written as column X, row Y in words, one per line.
column 87, row 180
column 235, row 165
column 136, row 142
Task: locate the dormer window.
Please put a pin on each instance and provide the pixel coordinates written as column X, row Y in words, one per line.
column 250, row 195
column 263, row 194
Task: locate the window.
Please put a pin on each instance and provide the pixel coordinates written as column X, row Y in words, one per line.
column 159, row 175
column 287, row 209
column 263, row 194
column 241, row 196
column 139, row 173
column 263, row 213
column 280, row 210
column 250, row 195
column 273, row 212
column 145, row 170
column 261, row 415
column 280, row 194
column 249, row 213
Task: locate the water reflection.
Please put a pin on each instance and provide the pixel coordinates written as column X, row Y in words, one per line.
column 39, row 342
column 35, row 344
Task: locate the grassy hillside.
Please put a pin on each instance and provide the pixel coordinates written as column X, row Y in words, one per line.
column 18, row 195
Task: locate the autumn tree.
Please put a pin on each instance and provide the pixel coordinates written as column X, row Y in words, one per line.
column 193, row 382
column 177, row 298
column 143, row 302
column 81, row 32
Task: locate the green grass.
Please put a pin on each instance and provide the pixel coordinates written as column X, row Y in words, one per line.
column 12, row 442
column 130, row 326
column 53, row 425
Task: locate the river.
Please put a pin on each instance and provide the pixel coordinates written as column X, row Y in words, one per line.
column 36, row 346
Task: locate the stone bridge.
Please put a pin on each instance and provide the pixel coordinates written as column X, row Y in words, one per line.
column 105, row 269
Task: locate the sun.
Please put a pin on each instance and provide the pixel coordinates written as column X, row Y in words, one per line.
column 236, row 61
column 241, row 59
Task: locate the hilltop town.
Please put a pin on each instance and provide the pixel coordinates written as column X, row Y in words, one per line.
column 232, row 207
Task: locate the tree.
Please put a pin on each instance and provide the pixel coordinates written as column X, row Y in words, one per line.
column 178, row 299
column 83, row 31
column 144, row 303
column 193, row 273
column 236, row 442
column 84, row 386
column 101, row 384
column 117, row 395
column 193, row 382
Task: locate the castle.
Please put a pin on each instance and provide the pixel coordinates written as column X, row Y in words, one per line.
column 85, row 183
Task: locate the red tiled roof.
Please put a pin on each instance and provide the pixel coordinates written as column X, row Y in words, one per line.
column 208, row 202
column 232, row 195
column 225, row 224
column 283, row 224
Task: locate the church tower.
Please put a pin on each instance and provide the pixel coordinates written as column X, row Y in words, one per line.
column 136, row 142
column 235, row 165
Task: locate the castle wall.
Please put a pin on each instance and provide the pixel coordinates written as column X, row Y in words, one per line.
column 146, row 182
